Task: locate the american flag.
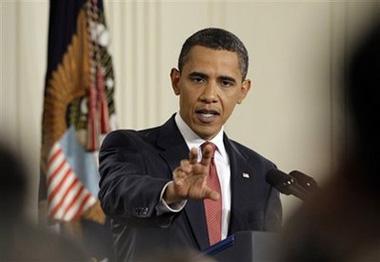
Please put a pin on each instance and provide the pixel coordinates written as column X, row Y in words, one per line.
column 78, row 110
column 67, row 196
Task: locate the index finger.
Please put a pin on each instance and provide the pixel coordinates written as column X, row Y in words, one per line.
column 206, row 155
column 193, row 156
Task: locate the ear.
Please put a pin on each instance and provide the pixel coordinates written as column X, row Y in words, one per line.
column 175, row 76
column 244, row 89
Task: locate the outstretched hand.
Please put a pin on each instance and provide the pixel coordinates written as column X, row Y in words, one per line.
column 190, row 178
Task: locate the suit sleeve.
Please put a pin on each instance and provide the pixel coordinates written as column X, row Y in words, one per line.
column 273, row 211
column 273, row 208
column 127, row 191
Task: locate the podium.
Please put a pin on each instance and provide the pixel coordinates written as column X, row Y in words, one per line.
column 246, row 246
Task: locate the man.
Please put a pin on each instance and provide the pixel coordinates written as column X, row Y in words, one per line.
column 164, row 187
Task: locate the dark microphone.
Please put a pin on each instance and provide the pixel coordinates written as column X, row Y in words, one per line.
column 285, row 183
column 307, row 182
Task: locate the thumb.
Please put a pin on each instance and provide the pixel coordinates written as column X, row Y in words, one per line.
column 211, row 194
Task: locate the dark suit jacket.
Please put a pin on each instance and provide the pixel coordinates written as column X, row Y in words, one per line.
column 134, row 167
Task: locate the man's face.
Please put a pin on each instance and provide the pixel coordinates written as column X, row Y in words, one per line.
column 209, row 86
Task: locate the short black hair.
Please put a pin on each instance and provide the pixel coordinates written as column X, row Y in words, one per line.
column 363, row 82
column 13, row 184
column 219, row 39
column 363, row 79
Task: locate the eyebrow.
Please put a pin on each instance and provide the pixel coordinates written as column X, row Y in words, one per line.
column 205, row 76
column 199, row 74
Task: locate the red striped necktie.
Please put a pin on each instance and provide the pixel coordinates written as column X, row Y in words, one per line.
column 213, row 209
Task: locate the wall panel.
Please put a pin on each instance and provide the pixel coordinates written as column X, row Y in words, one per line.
column 24, row 49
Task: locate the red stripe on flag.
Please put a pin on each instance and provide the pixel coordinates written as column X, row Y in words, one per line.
column 73, row 201
column 54, row 156
column 60, row 204
column 80, row 210
column 55, row 172
column 58, row 187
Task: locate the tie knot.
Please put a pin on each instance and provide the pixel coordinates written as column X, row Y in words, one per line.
column 213, row 147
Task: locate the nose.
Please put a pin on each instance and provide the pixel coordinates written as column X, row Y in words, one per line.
column 209, row 94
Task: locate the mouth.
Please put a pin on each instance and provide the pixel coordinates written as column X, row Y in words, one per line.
column 206, row 115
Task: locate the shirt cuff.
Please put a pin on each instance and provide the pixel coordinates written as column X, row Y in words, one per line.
column 163, row 207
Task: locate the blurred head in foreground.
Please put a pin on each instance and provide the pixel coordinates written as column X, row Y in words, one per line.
column 363, row 90
column 177, row 255
column 12, row 186
column 342, row 222
column 21, row 240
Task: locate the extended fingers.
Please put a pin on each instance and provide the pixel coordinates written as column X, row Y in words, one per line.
column 206, row 155
column 193, row 156
column 200, row 168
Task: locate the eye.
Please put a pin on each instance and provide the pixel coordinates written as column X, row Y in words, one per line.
column 227, row 83
column 197, row 79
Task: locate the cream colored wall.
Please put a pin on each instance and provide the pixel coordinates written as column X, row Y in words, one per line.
column 23, row 64
column 293, row 115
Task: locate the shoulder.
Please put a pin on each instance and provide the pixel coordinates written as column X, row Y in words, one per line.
column 251, row 155
column 128, row 137
column 149, row 136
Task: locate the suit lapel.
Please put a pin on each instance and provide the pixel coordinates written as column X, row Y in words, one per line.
column 174, row 150
column 242, row 183
column 195, row 213
column 173, row 145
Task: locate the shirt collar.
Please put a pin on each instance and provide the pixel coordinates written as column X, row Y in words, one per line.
column 193, row 140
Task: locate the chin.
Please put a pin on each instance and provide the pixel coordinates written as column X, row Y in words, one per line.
column 206, row 134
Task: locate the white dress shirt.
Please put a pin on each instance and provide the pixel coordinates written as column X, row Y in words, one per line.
column 222, row 166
